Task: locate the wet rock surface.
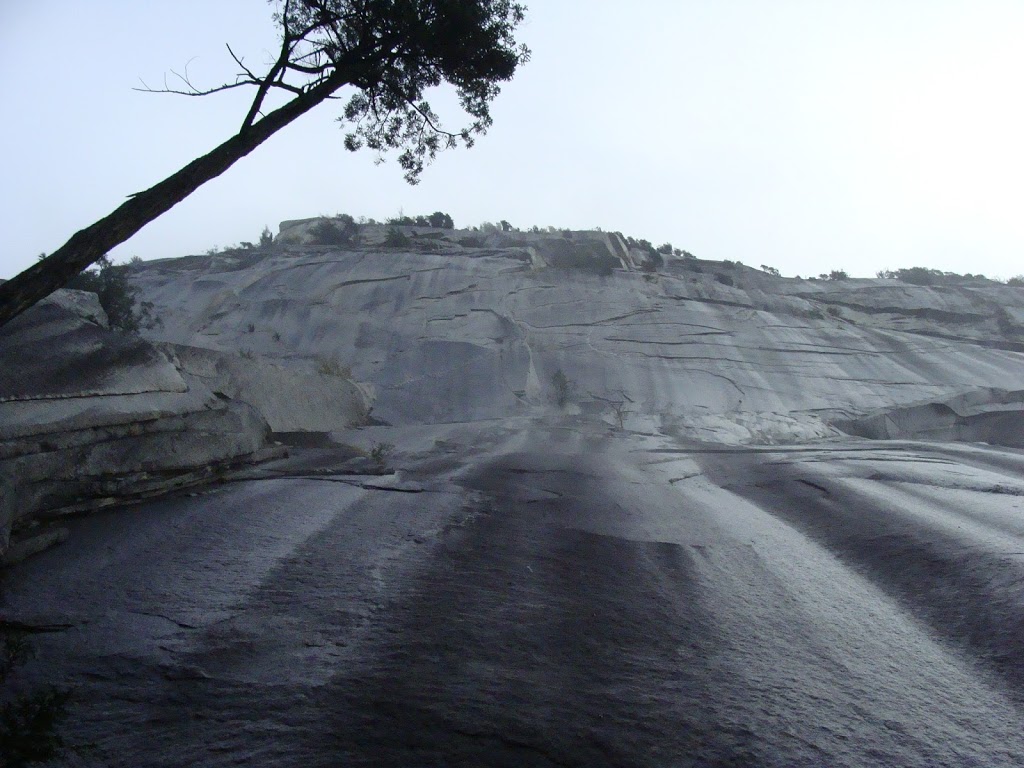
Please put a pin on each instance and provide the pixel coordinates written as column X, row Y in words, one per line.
column 557, row 594
column 751, row 524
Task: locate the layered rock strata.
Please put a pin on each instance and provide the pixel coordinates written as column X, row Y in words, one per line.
column 90, row 416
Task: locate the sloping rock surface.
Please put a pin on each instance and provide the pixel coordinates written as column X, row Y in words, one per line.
column 290, row 400
column 457, row 326
column 579, row 569
column 89, row 415
column 61, row 351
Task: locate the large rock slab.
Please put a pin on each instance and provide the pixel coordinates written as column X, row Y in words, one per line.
column 63, row 349
column 458, row 326
column 290, row 399
column 89, row 416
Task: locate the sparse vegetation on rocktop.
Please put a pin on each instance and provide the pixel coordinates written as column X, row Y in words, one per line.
column 835, row 274
column 327, row 366
column 265, row 243
column 395, row 238
column 341, row 230
column 436, row 220
column 926, row 276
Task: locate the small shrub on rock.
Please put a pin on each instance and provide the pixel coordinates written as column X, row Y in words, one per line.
column 380, row 452
column 340, row 230
column 562, row 388
column 330, row 367
column 109, row 281
column 395, row 238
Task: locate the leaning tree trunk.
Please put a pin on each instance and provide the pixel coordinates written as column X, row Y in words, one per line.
column 85, row 247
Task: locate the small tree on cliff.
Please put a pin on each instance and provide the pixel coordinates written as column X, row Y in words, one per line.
column 389, row 52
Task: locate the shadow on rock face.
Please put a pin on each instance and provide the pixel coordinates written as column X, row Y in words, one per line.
column 984, row 416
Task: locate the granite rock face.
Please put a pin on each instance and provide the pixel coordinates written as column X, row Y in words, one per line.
column 289, row 400
column 418, row 326
column 982, row 416
column 451, row 326
column 91, row 416
column 579, row 541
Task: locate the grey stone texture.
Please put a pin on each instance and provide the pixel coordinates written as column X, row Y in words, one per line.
column 90, row 416
column 456, row 326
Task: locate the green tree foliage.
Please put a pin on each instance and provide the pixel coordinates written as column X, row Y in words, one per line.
column 436, row 220
column 441, row 220
column 770, row 270
column 913, row 275
column 341, row 230
column 389, row 53
column 395, row 238
column 109, row 281
column 467, row 43
column 835, row 274
column 655, row 261
column 266, row 239
column 926, row 276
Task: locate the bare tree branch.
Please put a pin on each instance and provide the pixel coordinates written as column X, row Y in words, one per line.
column 193, row 91
column 239, row 62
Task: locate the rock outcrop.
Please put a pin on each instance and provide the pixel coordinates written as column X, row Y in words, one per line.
column 413, row 325
column 992, row 416
column 90, row 415
column 455, row 325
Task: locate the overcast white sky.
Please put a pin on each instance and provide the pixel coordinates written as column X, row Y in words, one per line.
column 807, row 135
